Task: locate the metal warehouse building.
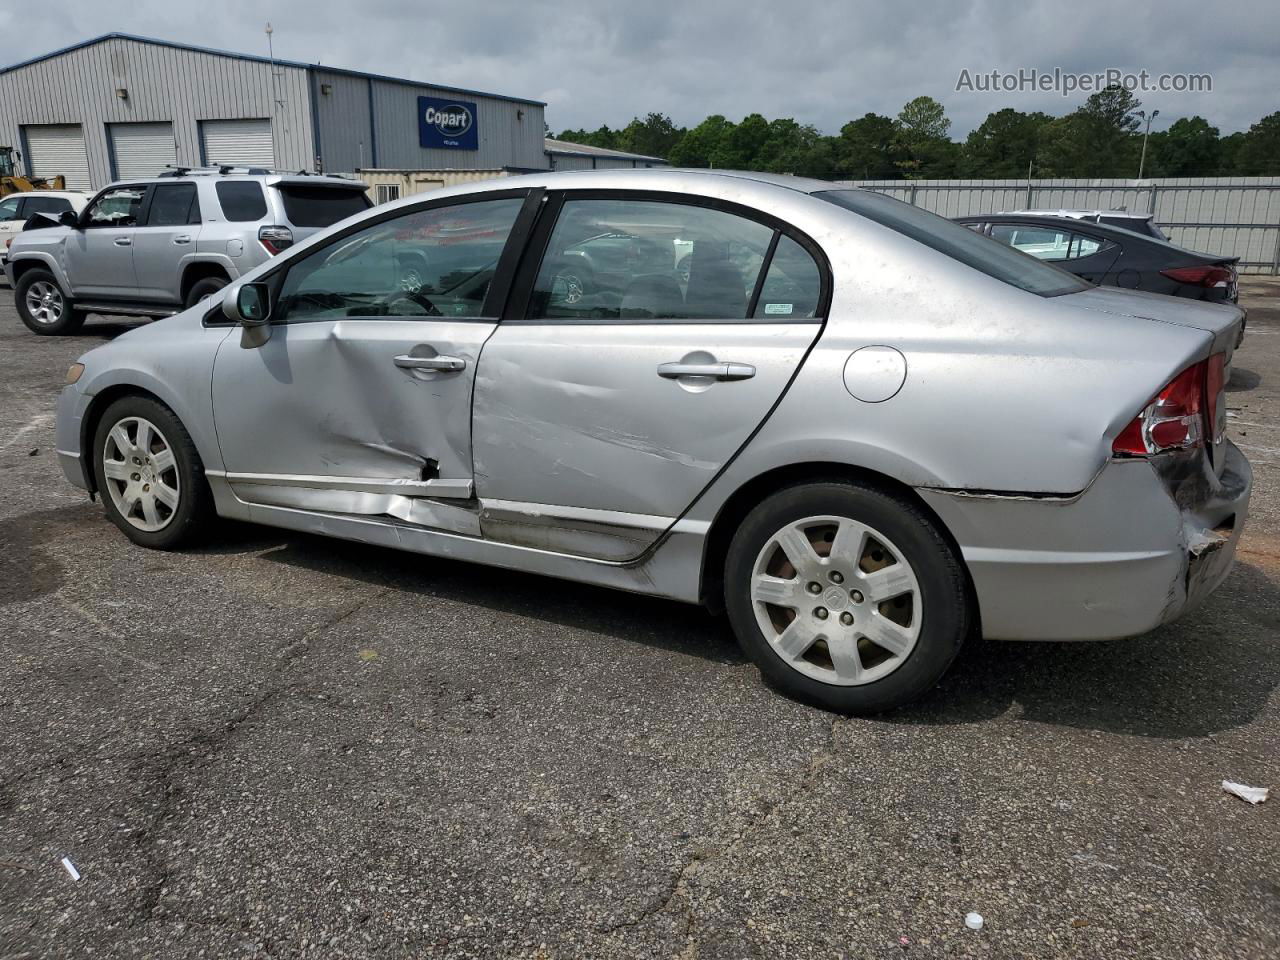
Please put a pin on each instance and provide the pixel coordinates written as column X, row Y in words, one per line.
column 121, row 106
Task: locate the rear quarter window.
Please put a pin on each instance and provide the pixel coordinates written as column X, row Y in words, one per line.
column 242, row 201
column 321, row 206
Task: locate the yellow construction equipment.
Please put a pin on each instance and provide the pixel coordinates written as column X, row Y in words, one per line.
column 12, row 182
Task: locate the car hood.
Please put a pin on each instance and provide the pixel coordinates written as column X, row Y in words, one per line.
column 1221, row 320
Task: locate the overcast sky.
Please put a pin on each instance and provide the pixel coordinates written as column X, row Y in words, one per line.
column 820, row 61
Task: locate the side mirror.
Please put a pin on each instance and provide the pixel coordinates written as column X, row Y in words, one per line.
column 69, row 218
column 251, row 305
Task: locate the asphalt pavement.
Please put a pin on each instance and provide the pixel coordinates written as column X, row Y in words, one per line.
column 279, row 745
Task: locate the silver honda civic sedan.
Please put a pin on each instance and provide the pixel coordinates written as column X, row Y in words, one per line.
column 862, row 431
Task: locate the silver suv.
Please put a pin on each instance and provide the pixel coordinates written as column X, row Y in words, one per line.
column 154, row 247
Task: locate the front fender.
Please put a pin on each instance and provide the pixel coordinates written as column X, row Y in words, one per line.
column 24, row 260
column 173, row 361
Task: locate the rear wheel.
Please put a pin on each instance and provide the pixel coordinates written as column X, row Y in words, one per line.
column 846, row 597
column 151, row 478
column 204, row 289
column 43, row 306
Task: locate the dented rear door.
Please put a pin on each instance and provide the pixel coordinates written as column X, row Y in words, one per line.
column 608, row 399
column 359, row 401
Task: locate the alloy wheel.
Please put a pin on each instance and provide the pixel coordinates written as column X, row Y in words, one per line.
column 836, row 600
column 45, row 302
column 140, row 474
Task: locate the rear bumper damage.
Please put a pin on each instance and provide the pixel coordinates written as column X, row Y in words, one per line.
column 1146, row 542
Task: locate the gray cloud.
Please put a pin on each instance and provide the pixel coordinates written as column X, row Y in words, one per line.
column 600, row 61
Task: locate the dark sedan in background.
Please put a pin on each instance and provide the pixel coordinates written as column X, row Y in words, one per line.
column 1113, row 257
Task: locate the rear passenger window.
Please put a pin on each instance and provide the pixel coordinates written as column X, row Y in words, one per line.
column 793, row 285
column 241, row 200
column 52, row 206
column 648, row 260
column 174, row 204
column 322, row 206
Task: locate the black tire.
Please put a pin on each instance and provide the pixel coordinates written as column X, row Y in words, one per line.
column 69, row 319
column 204, row 288
column 945, row 614
column 195, row 501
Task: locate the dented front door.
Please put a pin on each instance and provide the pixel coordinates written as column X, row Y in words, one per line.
column 359, row 400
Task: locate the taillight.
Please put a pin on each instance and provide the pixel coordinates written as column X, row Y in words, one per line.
column 1200, row 276
column 275, row 239
column 1181, row 415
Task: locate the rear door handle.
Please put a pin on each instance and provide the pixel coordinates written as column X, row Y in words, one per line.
column 182, row 239
column 122, row 241
column 406, row 362
column 717, row 371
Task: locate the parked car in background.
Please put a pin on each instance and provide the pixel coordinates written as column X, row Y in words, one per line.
column 766, row 438
column 1143, row 223
column 153, row 247
column 17, row 208
column 1112, row 257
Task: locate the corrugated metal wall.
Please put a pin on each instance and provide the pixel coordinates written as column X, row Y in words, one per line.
column 1234, row 217
column 507, row 139
column 342, row 114
column 163, row 83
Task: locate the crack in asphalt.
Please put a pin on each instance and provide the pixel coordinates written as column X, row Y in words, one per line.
column 206, row 744
column 678, row 887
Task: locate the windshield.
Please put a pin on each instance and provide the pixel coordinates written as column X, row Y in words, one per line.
column 960, row 243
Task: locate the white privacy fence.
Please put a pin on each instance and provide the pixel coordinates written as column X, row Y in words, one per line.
column 1229, row 216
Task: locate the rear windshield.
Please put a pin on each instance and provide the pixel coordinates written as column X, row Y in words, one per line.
column 960, row 243
column 321, row 206
column 242, row 200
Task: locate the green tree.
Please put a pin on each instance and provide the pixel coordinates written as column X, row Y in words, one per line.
column 1189, row 148
column 1115, row 106
column 926, row 151
column 701, row 145
column 600, row 137
column 1004, row 145
column 867, row 149
column 654, row 136
column 1259, row 151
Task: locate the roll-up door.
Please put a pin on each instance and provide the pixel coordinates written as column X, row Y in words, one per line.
column 239, row 142
column 141, row 150
column 58, row 148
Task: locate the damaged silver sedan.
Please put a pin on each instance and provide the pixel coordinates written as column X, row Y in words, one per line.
column 864, row 432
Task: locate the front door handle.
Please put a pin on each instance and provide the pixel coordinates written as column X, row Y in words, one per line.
column 122, row 241
column 406, row 362
column 182, row 239
column 717, row 371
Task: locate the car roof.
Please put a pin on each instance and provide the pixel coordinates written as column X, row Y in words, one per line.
column 1074, row 212
column 301, row 179
column 663, row 177
column 49, row 193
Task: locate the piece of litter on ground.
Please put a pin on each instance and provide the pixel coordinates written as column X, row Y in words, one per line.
column 1248, row 794
column 71, row 869
column 34, row 451
column 367, row 654
column 973, row 921
column 904, row 941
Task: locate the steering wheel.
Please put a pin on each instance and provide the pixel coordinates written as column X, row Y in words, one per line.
column 389, row 304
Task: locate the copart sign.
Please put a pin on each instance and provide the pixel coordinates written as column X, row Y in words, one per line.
column 450, row 124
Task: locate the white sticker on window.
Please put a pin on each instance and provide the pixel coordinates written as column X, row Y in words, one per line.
column 783, row 309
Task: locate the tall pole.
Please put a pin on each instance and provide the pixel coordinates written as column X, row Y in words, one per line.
column 1142, row 161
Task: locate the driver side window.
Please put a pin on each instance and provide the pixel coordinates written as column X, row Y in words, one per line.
column 429, row 263
column 119, row 207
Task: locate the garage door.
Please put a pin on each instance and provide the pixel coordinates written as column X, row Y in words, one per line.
column 141, row 150
column 58, row 148
column 240, row 142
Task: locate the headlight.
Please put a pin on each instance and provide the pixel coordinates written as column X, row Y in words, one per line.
column 74, row 371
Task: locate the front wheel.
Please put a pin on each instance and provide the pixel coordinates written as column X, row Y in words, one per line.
column 846, row 597
column 151, row 477
column 43, row 307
